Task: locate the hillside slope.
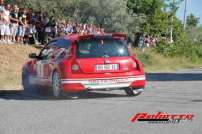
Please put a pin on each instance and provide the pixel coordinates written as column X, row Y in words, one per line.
column 12, row 58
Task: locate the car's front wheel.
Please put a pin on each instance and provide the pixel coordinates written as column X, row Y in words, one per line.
column 25, row 82
column 56, row 85
column 133, row 92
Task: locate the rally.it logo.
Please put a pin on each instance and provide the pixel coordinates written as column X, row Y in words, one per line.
column 161, row 117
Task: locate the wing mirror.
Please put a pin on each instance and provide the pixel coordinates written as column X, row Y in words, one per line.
column 33, row 55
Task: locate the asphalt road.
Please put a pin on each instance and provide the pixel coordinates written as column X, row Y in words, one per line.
column 107, row 112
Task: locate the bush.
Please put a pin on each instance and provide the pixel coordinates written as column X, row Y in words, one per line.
column 146, row 58
column 166, row 49
column 182, row 47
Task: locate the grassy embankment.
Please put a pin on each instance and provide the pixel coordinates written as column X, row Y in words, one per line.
column 156, row 62
column 12, row 58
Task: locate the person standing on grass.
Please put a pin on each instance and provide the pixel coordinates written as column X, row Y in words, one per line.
column 14, row 22
column 47, row 28
column 22, row 26
column 141, row 43
column 5, row 31
column 2, row 8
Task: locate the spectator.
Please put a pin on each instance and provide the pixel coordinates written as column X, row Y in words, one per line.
column 14, row 22
column 22, row 25
column 68, row 27
column 5, row 30
column 147, row 41
column 74, row 28
column 38, row 24
column 27, row 26
column 141, row 43
column 2, row 8
column 31, row 33
column 46, row 28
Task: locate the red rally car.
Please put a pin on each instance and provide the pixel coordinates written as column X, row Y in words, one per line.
column 77, row 63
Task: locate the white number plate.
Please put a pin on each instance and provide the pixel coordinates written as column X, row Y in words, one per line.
column 107, row 67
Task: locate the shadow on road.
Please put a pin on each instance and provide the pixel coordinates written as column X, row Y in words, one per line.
column 43, row 95
column 196, row 100
column 174, row 76
column 47, row 96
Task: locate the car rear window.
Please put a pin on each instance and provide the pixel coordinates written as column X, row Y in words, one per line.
column 95, row 48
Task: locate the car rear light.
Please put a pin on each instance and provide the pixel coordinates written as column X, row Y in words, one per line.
column 75, row 67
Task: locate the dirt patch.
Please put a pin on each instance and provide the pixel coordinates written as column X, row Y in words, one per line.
column 12, row 58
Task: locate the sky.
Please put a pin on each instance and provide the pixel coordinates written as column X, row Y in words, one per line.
column 193, row 6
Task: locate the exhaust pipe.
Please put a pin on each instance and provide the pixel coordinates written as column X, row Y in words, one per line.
column 137, row 91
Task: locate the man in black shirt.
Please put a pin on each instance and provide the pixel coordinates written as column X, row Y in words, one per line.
column 22, row 25
column 14, row 22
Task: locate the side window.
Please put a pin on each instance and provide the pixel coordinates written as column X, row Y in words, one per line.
column 63, row 43
column 61, row 53
column 62, row 49
column 52, row 43
column 47, row 52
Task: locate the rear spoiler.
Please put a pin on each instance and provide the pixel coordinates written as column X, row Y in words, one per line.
column 114, row 35
column 84, row 37
column 119, row 35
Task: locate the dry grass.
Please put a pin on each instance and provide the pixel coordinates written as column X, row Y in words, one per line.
column 12, row 58
column 154, row 62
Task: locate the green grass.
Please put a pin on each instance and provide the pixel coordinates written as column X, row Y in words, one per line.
column 153, row 61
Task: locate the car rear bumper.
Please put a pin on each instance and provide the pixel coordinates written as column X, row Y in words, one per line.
column 76, row 85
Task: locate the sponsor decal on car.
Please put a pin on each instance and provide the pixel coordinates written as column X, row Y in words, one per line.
column 99, row 83
column 106, row 81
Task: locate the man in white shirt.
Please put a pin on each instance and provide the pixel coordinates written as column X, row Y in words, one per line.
column 5, row 30
column 1, row 18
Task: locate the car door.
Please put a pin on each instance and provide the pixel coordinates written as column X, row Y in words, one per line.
column 62, row 49
column 43, row 69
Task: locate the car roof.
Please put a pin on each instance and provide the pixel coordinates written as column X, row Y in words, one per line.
column 77, row 37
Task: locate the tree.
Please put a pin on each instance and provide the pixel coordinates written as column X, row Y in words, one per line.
column 147, row 7
column 109, row 14
column 160, row 16
column 192, row 21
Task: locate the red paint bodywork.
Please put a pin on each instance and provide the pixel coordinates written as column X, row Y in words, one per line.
column 72, row 80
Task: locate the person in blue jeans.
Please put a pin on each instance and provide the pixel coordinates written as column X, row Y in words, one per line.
column 141, row 43
column 22, row 26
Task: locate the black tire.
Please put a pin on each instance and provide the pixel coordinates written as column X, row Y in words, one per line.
column 56, row 85
column 25, row 81
column 28, row 88
column 133, row 92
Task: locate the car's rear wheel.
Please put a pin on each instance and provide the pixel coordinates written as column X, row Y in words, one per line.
column 56, row 85
column 133, row 92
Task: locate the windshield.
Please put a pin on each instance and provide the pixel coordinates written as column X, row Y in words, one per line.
column 95, row 48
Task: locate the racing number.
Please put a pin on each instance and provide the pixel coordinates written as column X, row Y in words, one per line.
column 39, row 69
